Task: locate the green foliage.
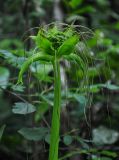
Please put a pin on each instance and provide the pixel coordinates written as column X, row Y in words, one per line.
column 75, row 3
column 47, row 138
column 109, row 153
column 1, row 131
column 78, row 60
column 102, row 135
column 4, row 77
column 68, row 46
column 41, row 71
column 12, row 59
column 7, row 43
column 44, row 44
column 110, row 86
column 23, row 108
column 67, row 140
column 18, row 88
column 35, row 134
column 34, row 58
column 91, row 96
column 52, row 48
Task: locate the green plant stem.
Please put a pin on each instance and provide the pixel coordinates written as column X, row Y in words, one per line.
column 55, row 126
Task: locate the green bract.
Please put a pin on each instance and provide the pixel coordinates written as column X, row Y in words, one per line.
column 53, row 44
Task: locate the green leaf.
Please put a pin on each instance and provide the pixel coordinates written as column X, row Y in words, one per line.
column 23, row 108
column 12, row 59
column 18, row 88
column 68, row 46
column 6, row 54
column 41, row 71
column 103, row 135
column 53, row 31
column 81, row 99
column 75, row 3
column 44, row 44
column 46, row 99
column 77, row 59
column 86, row 9
column 34, row 58
column 109, row 153
column 93, row 72
column 103, row 3
column 35, row 134
column 69, row 32
column 41, row 110
column 2, row 130
column 4, row 76
column 75, row 17
column 110, row 86
column 78, row 97
column 47, row 138
column 67, row 140
column 93, row 88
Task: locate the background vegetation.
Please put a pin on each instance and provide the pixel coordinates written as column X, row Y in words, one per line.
column 90, row 115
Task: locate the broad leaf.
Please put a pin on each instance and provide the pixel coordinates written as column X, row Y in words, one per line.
column 47, row 138
column 18, row 88
column 78, row 97
column 110, row 86
column 12, row 59
column 67, row 140
column 81, row 99
column 35, row 134
column 103, row 135
column 23, row 108
column 6, row 54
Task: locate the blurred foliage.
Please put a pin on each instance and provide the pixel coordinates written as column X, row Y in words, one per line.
column 90, row 107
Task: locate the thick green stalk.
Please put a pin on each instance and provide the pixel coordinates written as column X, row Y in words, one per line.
column 55, row 126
